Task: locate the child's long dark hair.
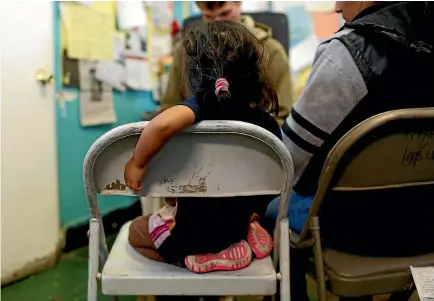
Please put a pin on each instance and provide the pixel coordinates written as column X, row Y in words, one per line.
column 226, row 49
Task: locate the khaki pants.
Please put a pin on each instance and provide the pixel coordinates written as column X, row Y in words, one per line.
column 140, row 239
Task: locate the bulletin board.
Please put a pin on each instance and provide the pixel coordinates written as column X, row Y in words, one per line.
column 106, row 105
column 310, row 23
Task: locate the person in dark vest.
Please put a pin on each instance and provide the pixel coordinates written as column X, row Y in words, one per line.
column 382, row 59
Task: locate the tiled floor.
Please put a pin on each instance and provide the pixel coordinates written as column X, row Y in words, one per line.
column 67, row 281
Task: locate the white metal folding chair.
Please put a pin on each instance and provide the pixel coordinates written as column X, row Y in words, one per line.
column 210, row 159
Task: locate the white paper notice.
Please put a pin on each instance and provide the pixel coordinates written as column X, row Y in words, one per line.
column 88, row 82
column 138, row 74
column 136, row 43
column 302, row 54
column 164, row 81
column 254, row 6
column 96, row 108
column 88, row 3
column 424, row 281
column 320, row 6
column 119, row 46
column 161, row 45
column 131, row 14
column 111, row 73
column 161, row 13
column 96, row 97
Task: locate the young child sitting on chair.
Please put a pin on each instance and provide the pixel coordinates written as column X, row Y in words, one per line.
column 227, row 77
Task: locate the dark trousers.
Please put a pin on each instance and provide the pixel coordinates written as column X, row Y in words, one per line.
column 298, row 263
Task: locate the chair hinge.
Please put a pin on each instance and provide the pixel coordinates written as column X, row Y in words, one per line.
column 279, row 276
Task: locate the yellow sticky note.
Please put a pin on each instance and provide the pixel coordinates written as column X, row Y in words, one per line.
column 107, row 7
column 63, row 39
column 89, row 32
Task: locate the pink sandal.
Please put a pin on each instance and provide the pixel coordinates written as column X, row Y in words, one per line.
column 236, row 257
column 259, row 240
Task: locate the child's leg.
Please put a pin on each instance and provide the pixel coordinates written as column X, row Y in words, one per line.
column 140, row 239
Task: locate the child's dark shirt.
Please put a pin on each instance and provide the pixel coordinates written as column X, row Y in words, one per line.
column 210, row 225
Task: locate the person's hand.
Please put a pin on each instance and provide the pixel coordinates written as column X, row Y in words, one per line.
column 133, row 174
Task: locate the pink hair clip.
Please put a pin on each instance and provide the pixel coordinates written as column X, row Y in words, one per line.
column 221, row 84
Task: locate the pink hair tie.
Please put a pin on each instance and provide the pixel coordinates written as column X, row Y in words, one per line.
column 221, row 84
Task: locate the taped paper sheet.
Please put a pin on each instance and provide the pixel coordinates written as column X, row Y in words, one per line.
column 136, row 44
column 96, row 98
column 138, row 74
column 119, row 46
column 131, row 14
column 303, row 54
column 161, row 45
column 89, row 32
column 424, row 280
column 111, row 73
column 96, row 108
column 161, row 13
column 320, row 6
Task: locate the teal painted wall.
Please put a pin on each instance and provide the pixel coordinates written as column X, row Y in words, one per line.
column 192, row 11
column 177, row 11
column 73, row 141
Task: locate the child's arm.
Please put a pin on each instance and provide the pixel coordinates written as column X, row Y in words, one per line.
column 153, row 138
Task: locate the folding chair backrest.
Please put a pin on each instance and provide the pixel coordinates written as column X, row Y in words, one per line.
column 378, row 182
column 210, row 159
column 406, row 158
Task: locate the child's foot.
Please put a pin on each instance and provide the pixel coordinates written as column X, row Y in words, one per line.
column 259, row 240
column 236, row 257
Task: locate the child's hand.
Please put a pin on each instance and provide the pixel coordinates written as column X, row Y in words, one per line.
column 133, row 175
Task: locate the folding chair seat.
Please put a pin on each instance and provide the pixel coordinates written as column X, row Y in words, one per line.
column 210, row 159
column 126, row 272
column 389, row 155
column 346, row 272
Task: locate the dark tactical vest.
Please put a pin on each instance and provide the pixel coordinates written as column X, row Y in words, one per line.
column 392, row 45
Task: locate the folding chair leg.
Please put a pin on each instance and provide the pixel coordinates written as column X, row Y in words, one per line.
column 268, row 298
column 319, row 263
column 103, row 250
column 93, row 265
column 285, row 288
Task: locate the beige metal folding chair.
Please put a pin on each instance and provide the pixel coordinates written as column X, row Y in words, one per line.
column 387, row 154
column 210, row 159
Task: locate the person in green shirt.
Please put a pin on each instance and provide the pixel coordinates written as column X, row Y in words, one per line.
column 277, row 59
